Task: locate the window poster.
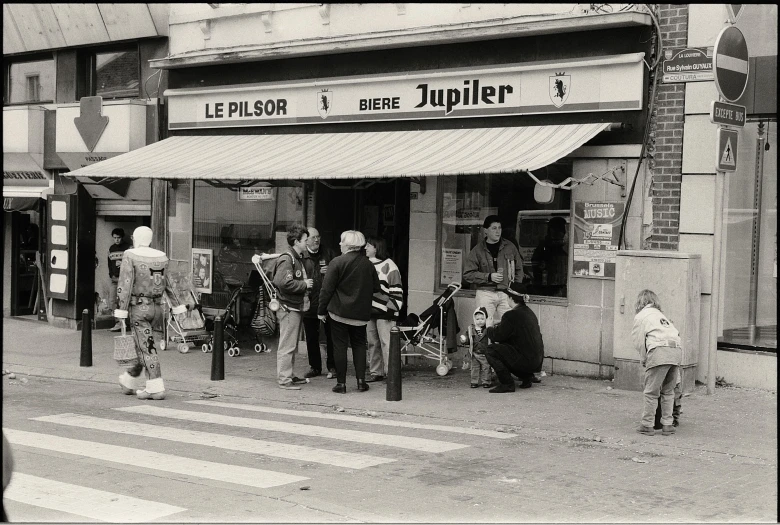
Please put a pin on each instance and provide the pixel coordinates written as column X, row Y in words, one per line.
column 451, row 266
column 596, row 236
column 202, row 269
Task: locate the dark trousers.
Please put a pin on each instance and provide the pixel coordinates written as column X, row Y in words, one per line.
column 507, row 360
column 345, row 335
column 311, row 326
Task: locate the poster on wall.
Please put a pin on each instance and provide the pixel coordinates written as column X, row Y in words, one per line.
column 596, row 236
column 451, row 265
column 202, row 269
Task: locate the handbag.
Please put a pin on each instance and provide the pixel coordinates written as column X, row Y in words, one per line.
column 264, row 319
column 124, row 348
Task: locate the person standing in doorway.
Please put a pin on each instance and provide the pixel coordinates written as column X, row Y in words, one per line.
column 316, row 259
column 294, row 286
column 385, row 308
column 115, row 253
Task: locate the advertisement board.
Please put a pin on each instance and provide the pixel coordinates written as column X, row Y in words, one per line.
column 596, row 236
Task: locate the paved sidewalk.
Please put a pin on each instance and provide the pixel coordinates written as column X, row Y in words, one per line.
column 734, row 423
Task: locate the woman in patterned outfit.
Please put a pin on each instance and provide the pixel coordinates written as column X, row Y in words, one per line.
column 139, row 297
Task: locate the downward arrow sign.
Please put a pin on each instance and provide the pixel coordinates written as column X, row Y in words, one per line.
column 91, row 123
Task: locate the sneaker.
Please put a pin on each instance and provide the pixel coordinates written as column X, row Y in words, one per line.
column 313, row 373
column 668, row 430
column 116, row 328
column 289, row 386
column 331, row 374
column 474, row 385
column 648, row 431
column 143, row 394
column 374, row 379
column 501, row 388
column 486, row 385
column 299, row 381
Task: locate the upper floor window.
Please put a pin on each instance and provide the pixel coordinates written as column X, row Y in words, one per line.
column 110, row 74
column 30, row 81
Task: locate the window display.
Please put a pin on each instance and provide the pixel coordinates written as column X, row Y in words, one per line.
column 539, row 231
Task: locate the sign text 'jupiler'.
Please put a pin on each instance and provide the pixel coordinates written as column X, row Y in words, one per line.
column 532, row 88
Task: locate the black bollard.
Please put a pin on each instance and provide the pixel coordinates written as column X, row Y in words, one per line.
column 218, row 352
column 86, row 339
column 394, row 366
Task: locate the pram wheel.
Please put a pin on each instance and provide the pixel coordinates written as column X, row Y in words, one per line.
column 163, row 346
column 442, row 369
column 260, row 347
column 184, row 348
column 206, row 348
column 234, row 351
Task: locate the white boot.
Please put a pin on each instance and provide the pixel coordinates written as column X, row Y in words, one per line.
column 129, row 383
column 155, row 389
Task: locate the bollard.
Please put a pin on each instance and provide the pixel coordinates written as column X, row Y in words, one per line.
column 86, row 339
column 218, row 352
column 394, row 366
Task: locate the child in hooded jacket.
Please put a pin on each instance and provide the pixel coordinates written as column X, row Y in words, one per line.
column 476, row 336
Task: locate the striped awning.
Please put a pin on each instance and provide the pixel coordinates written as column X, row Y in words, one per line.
column 349, row 155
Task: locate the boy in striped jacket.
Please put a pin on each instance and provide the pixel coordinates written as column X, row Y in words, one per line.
column 385, row 308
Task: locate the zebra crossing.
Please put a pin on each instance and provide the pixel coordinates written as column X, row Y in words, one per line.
column 378, row 445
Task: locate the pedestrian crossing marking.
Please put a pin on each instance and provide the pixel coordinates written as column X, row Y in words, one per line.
column 728, row 154
column 234, row 443
column 84, row 501
column 138, row 457
column 358, row 436
column 345, row 417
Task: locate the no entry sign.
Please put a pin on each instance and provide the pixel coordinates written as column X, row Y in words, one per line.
column 730, row 63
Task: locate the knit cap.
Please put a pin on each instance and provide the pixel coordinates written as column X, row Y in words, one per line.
column 481, row 310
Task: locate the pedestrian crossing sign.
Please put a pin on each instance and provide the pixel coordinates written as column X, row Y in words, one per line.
column 728, row 144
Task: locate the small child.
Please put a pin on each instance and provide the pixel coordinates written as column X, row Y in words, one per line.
column 478, row 342
column 660, row 352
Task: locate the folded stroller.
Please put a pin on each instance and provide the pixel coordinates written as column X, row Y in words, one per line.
column 183, row 319
column 417, row 332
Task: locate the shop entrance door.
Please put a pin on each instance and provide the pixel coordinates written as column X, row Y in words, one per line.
column 379, row 209
column 24, row 273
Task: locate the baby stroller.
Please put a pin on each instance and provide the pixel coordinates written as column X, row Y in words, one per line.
column 183, row 319
column 230, row 326
column 417, row 337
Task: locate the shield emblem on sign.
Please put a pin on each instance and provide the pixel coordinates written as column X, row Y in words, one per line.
column 324, row 102
column 560, row 86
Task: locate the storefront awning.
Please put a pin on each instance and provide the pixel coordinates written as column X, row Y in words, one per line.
column 24, row 182
column 349, row 155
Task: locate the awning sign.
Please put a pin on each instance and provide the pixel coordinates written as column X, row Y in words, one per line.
column 596, row 237
column 690, row 64
column 531, row 88
column 255, row 194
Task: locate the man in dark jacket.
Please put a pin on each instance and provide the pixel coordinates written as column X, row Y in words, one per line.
column 518, row 347
column 115, row 253
column 293, row 285
column 316, row 259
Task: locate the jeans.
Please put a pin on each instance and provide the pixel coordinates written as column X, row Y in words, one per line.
column 312, row 327
column 289, row 331
column 496, row 303
column 659, row 383
column 480, row 370
column 345, row 335
column 378, row 334
column 112, row 298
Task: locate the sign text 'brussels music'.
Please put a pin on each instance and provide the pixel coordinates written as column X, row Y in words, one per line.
column 595, row 84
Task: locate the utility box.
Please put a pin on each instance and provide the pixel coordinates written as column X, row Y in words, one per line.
column 676, row 279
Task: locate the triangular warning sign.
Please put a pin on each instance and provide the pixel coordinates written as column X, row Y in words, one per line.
column 728, row 159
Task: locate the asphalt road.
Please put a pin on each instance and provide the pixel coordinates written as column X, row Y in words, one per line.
column 86, row 453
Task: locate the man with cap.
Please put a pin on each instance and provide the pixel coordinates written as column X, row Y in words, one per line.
column 517, row 346
column 491, row 266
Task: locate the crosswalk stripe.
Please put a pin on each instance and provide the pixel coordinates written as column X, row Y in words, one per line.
column 84, row 501
column 358, row 436
column 255, row 446
column 368, row 421
column 153, row 460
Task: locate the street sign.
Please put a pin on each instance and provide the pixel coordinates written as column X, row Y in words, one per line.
column 733, row 11
column 727, row 114
column 728, row 144
column 689, row 64
column 730, row 63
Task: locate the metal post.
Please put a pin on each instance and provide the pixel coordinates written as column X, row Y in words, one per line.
column 86, row 339
column 394, row 366
column 218, row 352
column 712, row 358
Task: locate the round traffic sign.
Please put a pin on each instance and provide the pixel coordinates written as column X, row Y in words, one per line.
column 730, row 63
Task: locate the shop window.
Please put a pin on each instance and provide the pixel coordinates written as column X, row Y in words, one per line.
column 113, row 74
column 30, row 81
column 749, row 314
column 237, row 222
column 465, row 201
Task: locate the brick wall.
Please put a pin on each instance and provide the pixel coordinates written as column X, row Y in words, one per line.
column 666, row 137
